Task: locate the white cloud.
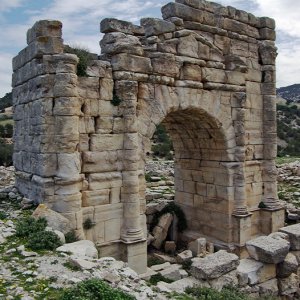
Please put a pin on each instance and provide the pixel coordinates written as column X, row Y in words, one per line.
column 5, row 73
column 6, row 5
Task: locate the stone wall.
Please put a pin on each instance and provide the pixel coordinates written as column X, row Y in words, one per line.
column 205, row 71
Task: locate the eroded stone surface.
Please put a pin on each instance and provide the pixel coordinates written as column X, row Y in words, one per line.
column 214, row 265
column 268, row 250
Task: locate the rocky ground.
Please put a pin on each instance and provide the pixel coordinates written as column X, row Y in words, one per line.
column 25, row 274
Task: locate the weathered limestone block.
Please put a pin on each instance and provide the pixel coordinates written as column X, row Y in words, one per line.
column 213, row 75
column 267, row 52
column 118, row 42
column 288, row 266
column 160, row 231
column 44, row 28
column 154, row 26
column 182, row 11
column 198, row 247
column 165, row 65
column 128, row 62
column 99, row 68
column 68, row 165
column 173, row 272
column 66, row 203
column 106, row 142
column 269, row 287
column 293, row 231
column 54, row 220
column 266, row 22
column 214, row 265
column 228, row 279
column 289, row 285
column 268, row 250
column 184, row 256
column 191, row 72
column 188, row 46
column 256, row 272
column 80, row 249
column 65, row 85
column 115, row 25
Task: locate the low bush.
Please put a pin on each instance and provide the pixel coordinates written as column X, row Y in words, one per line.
column 28, row 225
column 36, row 235
column 94, row 289
column 71, row 237
column 211, row 294
column 6, row 153
column 43, row 240
column 154, row 279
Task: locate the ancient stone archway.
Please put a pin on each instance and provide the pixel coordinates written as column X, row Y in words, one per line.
column 206, row 71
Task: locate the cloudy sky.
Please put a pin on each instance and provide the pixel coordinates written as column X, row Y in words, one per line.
column 81, row 20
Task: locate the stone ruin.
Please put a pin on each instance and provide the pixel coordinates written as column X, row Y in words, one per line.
column 205, row 71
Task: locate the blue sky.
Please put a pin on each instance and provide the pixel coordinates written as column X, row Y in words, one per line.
column 81, row 20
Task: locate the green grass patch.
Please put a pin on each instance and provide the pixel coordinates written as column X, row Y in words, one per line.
column 94, row 289
column 286, row 159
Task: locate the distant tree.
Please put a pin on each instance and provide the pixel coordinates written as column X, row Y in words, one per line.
column 6, row 101
column 9, row 129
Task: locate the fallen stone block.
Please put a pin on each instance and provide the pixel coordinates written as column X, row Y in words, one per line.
column 173, row 272
column 214, row 265
column 148, row 274
column 288, row 285
column 170, row 247
column 82, row 263
column 179, row 286
column 267, row 249
column 293, row 231
column 54, row 220
column 83, row 248
column 288, row 266
column 198, row 247
column 255, row 272
column 268, row 288
column 229, row 279
column 160, row 266
column 184, row 256
column 160, row 231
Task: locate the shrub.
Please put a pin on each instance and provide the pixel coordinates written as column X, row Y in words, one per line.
column 28, row 225
column 211, row 294
column 71, row 236
column 88, row 224
column 84, row 58
column 94, row 289
column 154, row 279
column 37, row 237
column 116, row 101
column 43, row 240
column 6, row 153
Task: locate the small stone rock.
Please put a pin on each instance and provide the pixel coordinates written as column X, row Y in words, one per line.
column 160, row 266
column 173, row 272
column 82, row 263
column 268, row 288
column 184, row 256
column 170, row 247
column 198, row 247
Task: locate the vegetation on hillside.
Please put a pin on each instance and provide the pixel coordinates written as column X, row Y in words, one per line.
column 288, row 129
column 6, row 101
column 162, row 145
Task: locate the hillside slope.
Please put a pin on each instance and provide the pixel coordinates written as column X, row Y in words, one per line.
column 290, row 93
